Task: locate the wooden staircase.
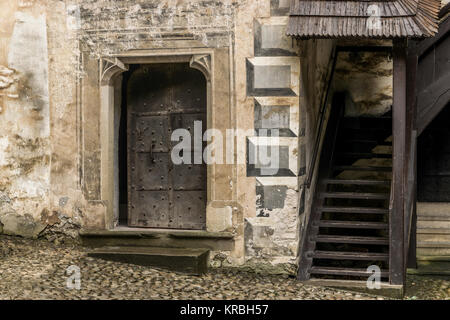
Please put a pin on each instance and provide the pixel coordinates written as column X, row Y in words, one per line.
column 348, row 229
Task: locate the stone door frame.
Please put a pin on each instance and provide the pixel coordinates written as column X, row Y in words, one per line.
column 110, row 70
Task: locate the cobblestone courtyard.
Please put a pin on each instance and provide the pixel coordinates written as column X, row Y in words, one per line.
column 36, row 269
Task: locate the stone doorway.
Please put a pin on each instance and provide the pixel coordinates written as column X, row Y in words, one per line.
column 158, row 99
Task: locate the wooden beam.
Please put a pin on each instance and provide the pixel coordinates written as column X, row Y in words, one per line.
column 431, row 101
column 412, row 251
column 425, row 45
column 396, row 219
column 411, row 175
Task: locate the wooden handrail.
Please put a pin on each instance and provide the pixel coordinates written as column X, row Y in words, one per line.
column 410, row 192
column 321, row 121
column 321, row 126
column 391, row 199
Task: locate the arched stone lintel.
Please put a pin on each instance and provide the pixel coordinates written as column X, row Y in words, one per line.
column 202, row 62
column 111, row 67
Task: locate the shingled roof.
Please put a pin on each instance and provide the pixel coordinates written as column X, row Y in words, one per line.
column 363, row 18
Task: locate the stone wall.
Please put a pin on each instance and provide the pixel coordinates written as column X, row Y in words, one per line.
column 50, row 171
column 51, row 150
column 25, row 147
column 273, row 73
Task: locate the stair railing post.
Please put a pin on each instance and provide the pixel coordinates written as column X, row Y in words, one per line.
column 396, row 219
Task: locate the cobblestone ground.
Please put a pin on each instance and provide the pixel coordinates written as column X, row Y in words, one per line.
column 36, row 269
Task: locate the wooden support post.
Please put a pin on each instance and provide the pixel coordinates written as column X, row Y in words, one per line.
column 411, row 142
column 396, row 219
column 412, row 252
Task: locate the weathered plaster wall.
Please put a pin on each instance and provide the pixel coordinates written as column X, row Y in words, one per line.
column 367, row 77
column 49, row 97
column 25, row 152
column 270, row 107
column 51, row 179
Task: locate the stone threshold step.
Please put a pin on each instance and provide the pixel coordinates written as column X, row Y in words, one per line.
column 143, row 232
column 158, row 238
column 185, row 260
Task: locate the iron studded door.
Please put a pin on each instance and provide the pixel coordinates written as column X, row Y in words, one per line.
column 160, row 99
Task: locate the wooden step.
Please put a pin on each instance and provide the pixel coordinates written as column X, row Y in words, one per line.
column 345, row 271
column 363, row 155
column 353, row 210
column 339, row 255
column 433, row 218
column 358, row 182
column 433, row 251
column 354, row 195
column 351, row 224
column 441, row 231
column 433, row 237
column 433, row 209
column 362, row 168
column 434, row 225
column 433, row 244
column 350, row 239
column 190, row 261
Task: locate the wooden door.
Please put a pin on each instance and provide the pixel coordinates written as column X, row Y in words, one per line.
column 162, row 98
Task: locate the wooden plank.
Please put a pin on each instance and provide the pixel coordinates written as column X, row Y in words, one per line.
column 353, row 210
column 411, row 173
column 364, row 155
column 412, row 250
column 396, row 219
column 431, row 101
column 439, row 231
column 359, row 182
column 424, row 45
column 362, row 168
column 351, row 239
column 352, row 224
column 355, row 195
column 339, row 255
column 345, row 271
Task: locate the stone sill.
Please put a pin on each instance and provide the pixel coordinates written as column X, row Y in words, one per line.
column 125, row 232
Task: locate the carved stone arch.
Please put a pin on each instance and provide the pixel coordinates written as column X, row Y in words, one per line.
column 111, row 67
column 202, row 62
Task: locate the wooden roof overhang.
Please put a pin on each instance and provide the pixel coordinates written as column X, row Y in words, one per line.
column 351, row 19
